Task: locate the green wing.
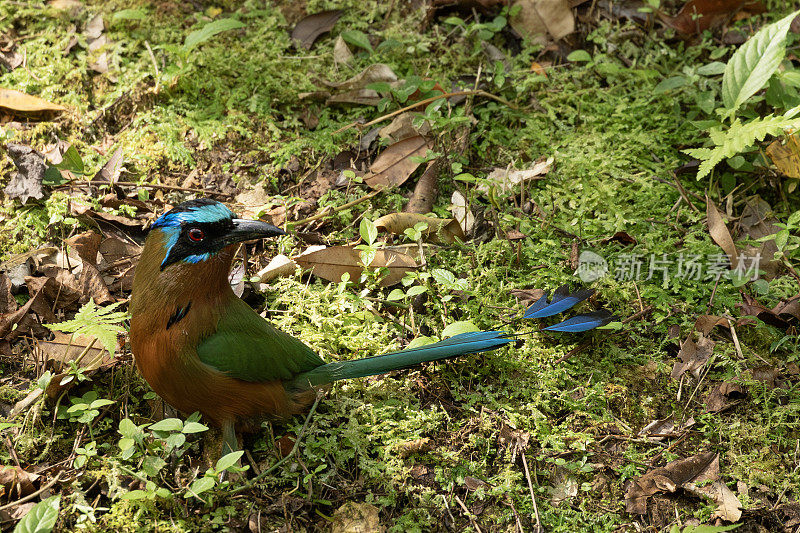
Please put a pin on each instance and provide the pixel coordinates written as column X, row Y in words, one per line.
column 246, row 346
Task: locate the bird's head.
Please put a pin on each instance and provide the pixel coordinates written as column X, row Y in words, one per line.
column 197, row 230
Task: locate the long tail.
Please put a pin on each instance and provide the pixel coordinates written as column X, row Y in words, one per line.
column 463, row 344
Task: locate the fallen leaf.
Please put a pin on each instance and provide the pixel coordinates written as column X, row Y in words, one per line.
column 688, row 474
column 756, row 222
column 341, row 52
column 66, row 347
column 622, row 237
column 719, row 232
column 658, row 428
column 395, row 164
column 10, row 58
column 565, row 487
column 724, row 396
column 27, row 182
column 310, row 28
column 374, row 73
column 86, row 245
column 692, row 356
column 16, row 482
column 536, row 19
column 426, row 191
column 461, row 212
column 706, row 323
column 786, row 157
column 353, row 517
column 528, row 296
column 696, row 16
column 17, row 102
column 443, row 230
column 331, row 263
column 111, row 170
column 473, row 483
column 356, row 96
column 782, row 316
column 507, row 179
column 402, row 127
column 95, row 27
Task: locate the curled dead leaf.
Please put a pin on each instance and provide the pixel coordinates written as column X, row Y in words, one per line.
column 331, row 263
column 396, row 163
column 719, row 232
column 443, row 230
column 310, row 28
column 19, row 103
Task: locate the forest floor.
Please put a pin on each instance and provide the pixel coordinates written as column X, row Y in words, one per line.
column 684, row 411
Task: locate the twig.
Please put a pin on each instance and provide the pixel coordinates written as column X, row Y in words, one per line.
column 533, row 496
column 85, row 183
column 33, row 494
column 423, row 102
column 334, row 210
column 291, row 454
column 468, row 513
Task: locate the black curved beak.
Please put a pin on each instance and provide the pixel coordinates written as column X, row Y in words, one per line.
column 246, row 230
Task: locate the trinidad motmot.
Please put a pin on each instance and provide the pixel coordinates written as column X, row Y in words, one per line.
column 202, row 348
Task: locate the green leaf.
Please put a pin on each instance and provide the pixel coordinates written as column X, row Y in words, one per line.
column 52, row 177
column 712, row 69
column 579, row 56
column 152, row 465
column 102, row 322
column 137, row 494
column 781, row 238
column 168, row 424
column 462, row 326
column 739, row 137
column 228, row 460
column 128, row 429
column 415, row 290
column 201, row 485
column 72, row 161
column 443, row 277
column 675, row 82
column 194, row 427
column 42, row 518
column 357, row 38
column 125, row 443
column 130, row 14
column 396, row 294
column 754, row 62
column 368, row 231
column 208, row 31
column 100, row 403
column 421, row 341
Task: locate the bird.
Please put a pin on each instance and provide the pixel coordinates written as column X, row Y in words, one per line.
column 202, row 348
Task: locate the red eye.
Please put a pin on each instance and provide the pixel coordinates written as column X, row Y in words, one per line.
column 196, row 235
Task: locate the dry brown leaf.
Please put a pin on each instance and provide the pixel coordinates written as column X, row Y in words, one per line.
column 668, row 478
column 26, row 183
column 728, row 505
column 310, row 28
column 719, row 232
column 372, row 74
column 692, row 356
column 507, row 179
column 353, row 517
column 724, row 396
column 756, row 222
column 696, row 16
column 539, row 18
column 341, row 52
column 395, row 165
column 86, row 245
column 705, row 323
column 407, row 448
column 461, row 211
column 356, row 96
column 16, row 482
column 17, row 102
column 402, row 127
column 65, row 347
column 443, row 230
column 332, row 262
column 786, row 157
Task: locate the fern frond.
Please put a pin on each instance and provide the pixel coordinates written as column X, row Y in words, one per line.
column 739, row 137
column 101, row 322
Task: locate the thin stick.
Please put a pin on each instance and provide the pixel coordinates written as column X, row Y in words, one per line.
column 33, row 494
column 334, row 210
column 533, row 497
column 423, row 102
column 469, row 514
column 260, row 476
column 83, row 183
